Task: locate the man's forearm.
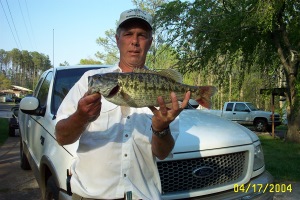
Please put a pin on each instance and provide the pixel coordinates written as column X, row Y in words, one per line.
column 68, row 130
column 162, row 146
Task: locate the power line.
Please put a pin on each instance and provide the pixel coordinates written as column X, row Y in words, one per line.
column 25, row 24
column 30, row 24
column 9, row 25
column 14, row 25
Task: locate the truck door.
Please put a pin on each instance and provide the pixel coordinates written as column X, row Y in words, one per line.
column 35, row 123
column 241, row 113
column 227, row 111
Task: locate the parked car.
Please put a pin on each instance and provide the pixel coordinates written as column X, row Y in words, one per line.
column 13, row 123
column 211, row 158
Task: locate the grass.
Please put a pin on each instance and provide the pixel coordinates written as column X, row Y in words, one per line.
column 3, row 130
column 281, row 158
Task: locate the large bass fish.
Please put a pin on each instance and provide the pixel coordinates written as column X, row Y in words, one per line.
column 142, row 87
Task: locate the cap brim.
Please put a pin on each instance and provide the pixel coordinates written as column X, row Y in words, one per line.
column 132, row 21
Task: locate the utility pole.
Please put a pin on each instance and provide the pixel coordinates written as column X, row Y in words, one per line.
column 53, row 49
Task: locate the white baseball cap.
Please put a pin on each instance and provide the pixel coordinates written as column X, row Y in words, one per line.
column 135, row 14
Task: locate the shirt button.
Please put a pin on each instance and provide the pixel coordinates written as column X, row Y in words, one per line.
column 125, row 155
column 126, row 135
column 124, row 175
column 128, row 117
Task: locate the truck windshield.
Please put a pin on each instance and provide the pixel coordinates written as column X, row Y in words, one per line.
column 252, row 107
column 64, row 81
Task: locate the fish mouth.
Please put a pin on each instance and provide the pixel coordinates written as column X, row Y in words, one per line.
column 114, row 91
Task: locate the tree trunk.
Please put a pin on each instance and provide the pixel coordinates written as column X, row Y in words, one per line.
column 290, row 61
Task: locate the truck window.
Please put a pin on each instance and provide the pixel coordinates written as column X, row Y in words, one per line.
column 240, row 107
column 43, row 92
column 252, row 107
column 229, row 106
column 64, row 81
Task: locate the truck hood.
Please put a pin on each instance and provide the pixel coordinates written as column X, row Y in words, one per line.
column 202, row 131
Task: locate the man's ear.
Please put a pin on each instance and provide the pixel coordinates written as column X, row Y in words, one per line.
column 117, row 39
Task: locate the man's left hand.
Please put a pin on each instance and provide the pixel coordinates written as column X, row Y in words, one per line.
column 164, row 115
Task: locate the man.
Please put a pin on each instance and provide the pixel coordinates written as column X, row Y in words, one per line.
column 118, row 146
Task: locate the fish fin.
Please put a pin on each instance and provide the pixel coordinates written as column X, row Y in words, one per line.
column 172, row 74
column 206, row 93
column 169, row 73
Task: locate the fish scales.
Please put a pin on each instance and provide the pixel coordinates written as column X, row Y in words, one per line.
column 145, row 88
column 141, row 89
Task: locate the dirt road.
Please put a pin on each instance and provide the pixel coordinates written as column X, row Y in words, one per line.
column 15, row 183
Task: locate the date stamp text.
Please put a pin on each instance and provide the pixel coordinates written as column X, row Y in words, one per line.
column 262, row 188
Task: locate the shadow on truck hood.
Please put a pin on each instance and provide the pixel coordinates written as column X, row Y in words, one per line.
column 203, row 131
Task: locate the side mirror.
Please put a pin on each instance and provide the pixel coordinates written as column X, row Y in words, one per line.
column 193, row 103
column 31, row 106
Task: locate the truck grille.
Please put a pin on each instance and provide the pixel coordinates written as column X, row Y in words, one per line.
column 218, row 170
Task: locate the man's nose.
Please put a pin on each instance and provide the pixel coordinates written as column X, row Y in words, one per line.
column 135, row 41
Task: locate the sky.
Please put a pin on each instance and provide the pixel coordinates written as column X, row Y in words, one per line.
column 65, row 30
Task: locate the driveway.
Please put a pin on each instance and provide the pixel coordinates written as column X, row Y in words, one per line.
column 15, row 183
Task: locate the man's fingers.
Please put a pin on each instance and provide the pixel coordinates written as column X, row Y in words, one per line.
column 152, row 108
column 186, row 99
column 162, row 106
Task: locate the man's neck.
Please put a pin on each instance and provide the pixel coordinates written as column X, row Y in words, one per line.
column 125, row 68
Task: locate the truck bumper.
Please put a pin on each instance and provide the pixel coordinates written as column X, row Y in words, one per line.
column 264, row 179
column 253, row 192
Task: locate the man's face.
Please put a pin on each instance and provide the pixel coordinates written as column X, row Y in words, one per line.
column 133, row 42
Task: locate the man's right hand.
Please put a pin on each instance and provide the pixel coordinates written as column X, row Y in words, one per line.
column 68, row 130
column 89, row 107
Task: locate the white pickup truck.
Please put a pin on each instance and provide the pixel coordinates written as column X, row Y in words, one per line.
column 213, row 158
column 245, row 113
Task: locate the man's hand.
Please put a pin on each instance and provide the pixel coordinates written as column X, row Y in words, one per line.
column 89, row 107
column 164, row 116
column 68, row 130
column 162, row 146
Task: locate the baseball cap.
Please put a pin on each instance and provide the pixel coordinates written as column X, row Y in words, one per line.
column 135, row 14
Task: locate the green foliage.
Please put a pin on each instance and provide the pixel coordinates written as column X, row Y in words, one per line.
column 4, row 82
column 163, row 57
column 229, row 42
column 89, row 62
column 22, row 67
column 109, row 45
column 64, row 64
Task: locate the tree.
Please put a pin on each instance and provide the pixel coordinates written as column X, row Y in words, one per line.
column 22, row 67
column 4, row 82
column 208, row 35
column 64, row 64
column 89, row 62
column 111, row 55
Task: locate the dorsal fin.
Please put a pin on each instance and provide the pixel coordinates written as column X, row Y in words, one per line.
column 172, row 74
column 169, row 73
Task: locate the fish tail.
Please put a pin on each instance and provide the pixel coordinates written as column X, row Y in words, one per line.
column 206, row 92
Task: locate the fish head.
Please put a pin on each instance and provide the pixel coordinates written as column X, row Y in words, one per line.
column 105, row 84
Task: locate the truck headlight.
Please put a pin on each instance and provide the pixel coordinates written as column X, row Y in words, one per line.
column 259, row 160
